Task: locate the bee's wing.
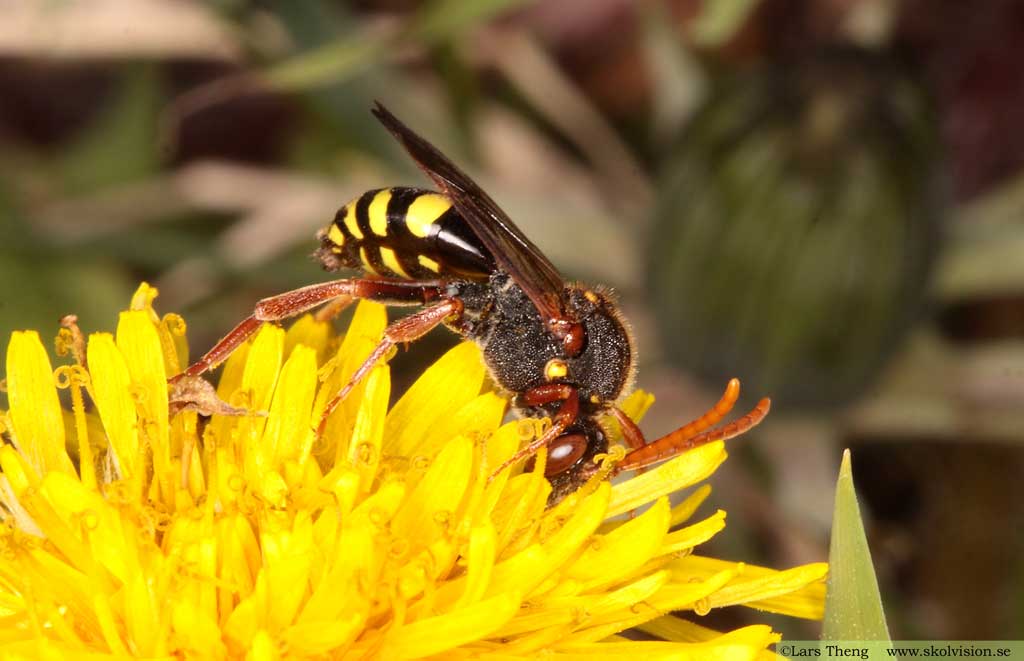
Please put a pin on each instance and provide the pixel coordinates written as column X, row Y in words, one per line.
column 512, row 251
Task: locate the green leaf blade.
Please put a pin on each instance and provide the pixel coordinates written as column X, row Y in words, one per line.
column 853, row 605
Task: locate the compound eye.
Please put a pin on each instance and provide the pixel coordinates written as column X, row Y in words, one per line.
column 564, row 453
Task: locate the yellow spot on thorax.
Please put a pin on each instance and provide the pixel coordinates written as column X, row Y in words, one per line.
column 378, row 212
column 387, row 255
column 335, row 235
column 424, row 212
column 428, row 263
column 351, row 224
column 591, row 296
column 555, row 369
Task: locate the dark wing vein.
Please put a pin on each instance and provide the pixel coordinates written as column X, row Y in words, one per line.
column 513, row 252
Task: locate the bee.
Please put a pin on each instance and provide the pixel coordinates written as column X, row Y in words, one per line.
column 561, row 349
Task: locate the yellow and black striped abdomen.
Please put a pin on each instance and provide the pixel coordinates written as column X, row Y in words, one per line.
column 404, row 233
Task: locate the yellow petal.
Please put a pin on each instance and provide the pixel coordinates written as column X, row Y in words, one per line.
column 690, row 536
column 678, row 629
column 806, row 602
column 528, row 569
column 676, row 596
column 111, row 391
column 263, row 648
column 497, row 449
column 477, row 419
column 16, row 478
column 364, row 332
column 365, row 447
column 259, row 379
column 351, row 565
column 308, row 332
column 436, row 498
column 35, row 410
column 480, row 564
column 380, row 507
column 610, row 557
column 142, row 616
column 288, row 422
column 231, row 379
column 675, row 628
column 436, row 634
column 760, row 587
column 445, row 387
column 229, row 389
column 627, row 596
column 684, row 510
column 107, row 625
column 318, row 639
column 287, row 555
column 139, row 343
column 678, row 473
column 532, row 619
column 671, row 596
column 78, row 506
column 519, row 508
column 637, row 404
column 744, row 644
column 198, row 635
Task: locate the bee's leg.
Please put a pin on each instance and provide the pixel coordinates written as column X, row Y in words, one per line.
column 408, row 329
column 565, row 416
column 297, row 301
column 693, row 434
column 223, row 348
column 631, row 433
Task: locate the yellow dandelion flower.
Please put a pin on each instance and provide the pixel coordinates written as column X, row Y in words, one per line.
column 132, row 531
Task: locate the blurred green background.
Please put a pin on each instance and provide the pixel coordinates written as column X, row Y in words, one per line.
column 823, row 198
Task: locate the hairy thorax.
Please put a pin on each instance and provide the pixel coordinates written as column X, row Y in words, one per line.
column 520, row 350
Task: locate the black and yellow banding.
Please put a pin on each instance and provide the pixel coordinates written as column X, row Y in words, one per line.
column 405, row 233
